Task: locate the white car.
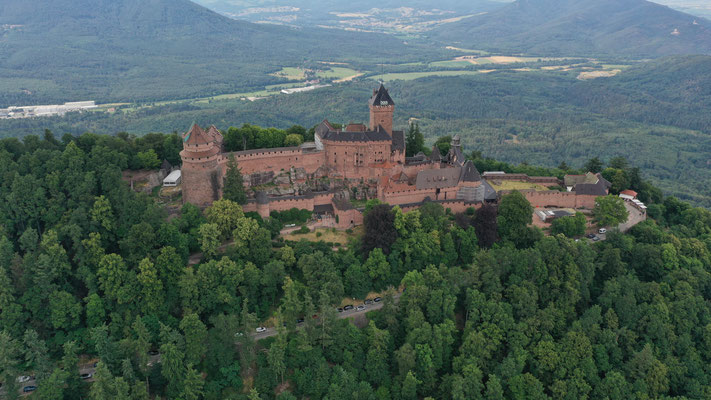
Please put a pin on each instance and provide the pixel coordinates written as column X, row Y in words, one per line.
column 23, row 379
column 261, row 329
column 602, row 230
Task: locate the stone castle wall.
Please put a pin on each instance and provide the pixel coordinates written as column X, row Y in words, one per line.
column 558, row 199
column 275, row 160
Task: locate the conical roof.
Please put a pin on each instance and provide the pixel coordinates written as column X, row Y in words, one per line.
column 196, row 136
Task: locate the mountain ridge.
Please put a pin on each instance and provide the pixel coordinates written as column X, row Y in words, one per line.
column 635, row 28
column 152, row 50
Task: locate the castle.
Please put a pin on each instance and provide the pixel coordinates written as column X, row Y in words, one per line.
column 325, row 175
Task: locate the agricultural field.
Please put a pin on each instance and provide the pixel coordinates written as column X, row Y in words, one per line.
column 291, row 73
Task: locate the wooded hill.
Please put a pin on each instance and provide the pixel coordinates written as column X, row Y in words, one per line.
column 119, row 50
column 629, row 28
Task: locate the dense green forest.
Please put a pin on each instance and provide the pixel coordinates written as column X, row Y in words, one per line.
column 476, row 305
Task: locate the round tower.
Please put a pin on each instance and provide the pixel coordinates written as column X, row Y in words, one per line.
column 201, row 174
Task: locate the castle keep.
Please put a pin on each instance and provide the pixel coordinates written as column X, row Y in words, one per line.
column 339, row 169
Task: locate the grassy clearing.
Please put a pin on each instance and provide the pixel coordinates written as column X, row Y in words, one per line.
column 327, row 235
column 480, row 52
column 337, row 73
column 450, row 64
column 514, row 185
column 291, row 73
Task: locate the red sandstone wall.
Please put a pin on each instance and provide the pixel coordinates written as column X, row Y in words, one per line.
column 353, row 159
column 416, row 196
column 456, row 206
column 197, row 182
column 559, row 199
column 348, row 218
column 276, row 161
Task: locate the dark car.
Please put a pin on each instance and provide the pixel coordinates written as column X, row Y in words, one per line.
column 590, row 236
column 340, row 309
column 153, row 353
column 348, row 307
column 28, row 389
column 368, row 302
column 96, row 364
column 377, row 299
column 300, row 320
column 86, row 376
column 360, row 308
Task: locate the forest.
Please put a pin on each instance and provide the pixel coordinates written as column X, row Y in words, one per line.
column 477, row 305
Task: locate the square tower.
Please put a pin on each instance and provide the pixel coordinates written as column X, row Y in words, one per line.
column 382, row 108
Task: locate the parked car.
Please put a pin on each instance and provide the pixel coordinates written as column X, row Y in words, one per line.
column 23, row 379
column 300, row 320
column 602, row 230
column 261, row 329
column 590, row 236
column 28, row 389
column 340, row 309
column 368, row 302
column 348, row 307
column 153, row 353
column 377, row 299
column 96, row 364
column 86, row 376
column 360, row 308
column 596, row 239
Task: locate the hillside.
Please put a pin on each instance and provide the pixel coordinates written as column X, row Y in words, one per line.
column 119, row 50
column 630, row 28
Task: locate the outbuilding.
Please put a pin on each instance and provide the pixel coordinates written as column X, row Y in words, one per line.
column 173, row 179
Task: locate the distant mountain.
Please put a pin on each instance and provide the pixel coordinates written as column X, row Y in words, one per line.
column 390, row 16
column 61, row 50
column 635, row 28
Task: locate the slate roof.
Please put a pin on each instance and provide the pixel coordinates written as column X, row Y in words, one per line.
column 381, row 96
column 435, row 156
column 323, row 128
column 593, row 189
column 379, row 135
column 489, row 192
column 469, row 173
column 572, row 180
column 438, row 178
column 323, row 209
column 398, row 141
column 588, row 184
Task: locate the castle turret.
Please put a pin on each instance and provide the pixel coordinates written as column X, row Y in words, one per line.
column 201, row 175
column 382, row 109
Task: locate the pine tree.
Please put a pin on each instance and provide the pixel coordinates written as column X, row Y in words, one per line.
column 233, row 188
column 414, row 141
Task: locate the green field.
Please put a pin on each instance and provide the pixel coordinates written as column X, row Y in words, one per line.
column 337, row 73
column 408, row 76
column 291, row 73
column 450, row 64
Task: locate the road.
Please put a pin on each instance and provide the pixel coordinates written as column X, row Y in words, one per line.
column 154, row 359
column 342, row 315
